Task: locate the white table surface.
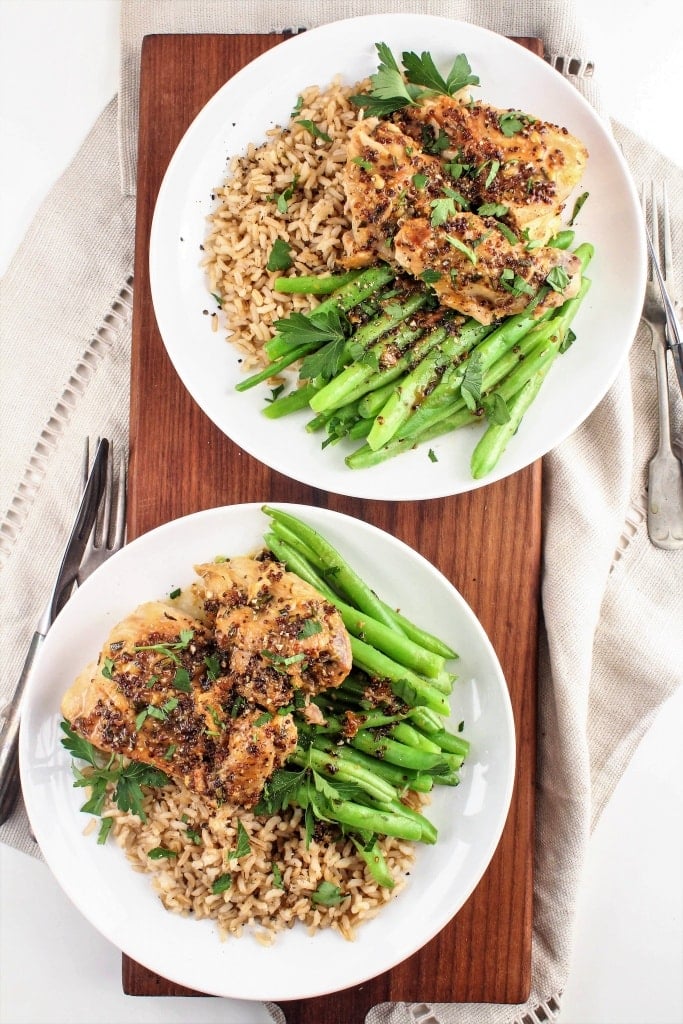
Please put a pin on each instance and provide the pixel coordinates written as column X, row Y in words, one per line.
column 629, row 937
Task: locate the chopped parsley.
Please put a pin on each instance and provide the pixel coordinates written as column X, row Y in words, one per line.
column 558, row 279
column 327, row 895
column 577, row 207
column 221, row 884
column 161, row 852
column 514, row 121
column 279, row 258
column 312, row 127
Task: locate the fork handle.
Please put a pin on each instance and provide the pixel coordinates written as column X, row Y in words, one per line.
column 9, row 735
column 662, row 378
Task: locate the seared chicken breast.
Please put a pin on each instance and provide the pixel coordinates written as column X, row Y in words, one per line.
column 209, row 700
column 158, row 695
column 407, row 210
column 277, row 632
column 475, row 270
column 503, row 156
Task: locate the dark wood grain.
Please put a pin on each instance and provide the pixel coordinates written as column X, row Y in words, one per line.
column 487, row 542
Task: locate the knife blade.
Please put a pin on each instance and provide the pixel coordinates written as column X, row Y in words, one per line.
column 61, row 591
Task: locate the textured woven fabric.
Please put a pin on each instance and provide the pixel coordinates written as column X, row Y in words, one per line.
column 607, row 593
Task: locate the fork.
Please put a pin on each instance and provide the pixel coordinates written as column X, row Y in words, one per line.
column 103, row 541
column 665, row 478
column 109, row 532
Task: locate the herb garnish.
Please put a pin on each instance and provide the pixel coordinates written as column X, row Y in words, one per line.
column 514, row 121
column 300, row 329
column 312, row 127
column 577, row 207
column 168, row 649
column 128, row 777
column 279, row 258
column 392, row 89
column 327, row 895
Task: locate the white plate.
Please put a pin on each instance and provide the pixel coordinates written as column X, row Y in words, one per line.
column 121, row 903
column 261, row 95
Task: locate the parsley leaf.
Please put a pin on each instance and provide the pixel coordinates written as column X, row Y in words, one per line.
column 325, row 363
column 577, row 207
column 470, row 386
column 492, row 210
column 279, row 258
column 514, row 121
column 313, row 129
column 515, row 284
column 423, row 71
column 461, row 247
column 299, row 328
column 278, row 883
column 327, row 895
column 128, row 777
column 159, row 852
column 310, row 628
column 243, row 844
column 496, row 409
column 221, row 884
column 558, row 279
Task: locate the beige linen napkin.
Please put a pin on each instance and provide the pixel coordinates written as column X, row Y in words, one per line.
column 609, row 655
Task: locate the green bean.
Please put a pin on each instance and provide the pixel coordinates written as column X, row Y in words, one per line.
column 346, row 580
column 334, row 767
column 411, row 389
column 407, row 685
column 274, row 368
column 286, row 404
column 367, row 819
column 385, row 638
column 376, row 862
column 353, row 379
column 386, row 749
column 399, row 777
column 314, row 284
column 429, row 833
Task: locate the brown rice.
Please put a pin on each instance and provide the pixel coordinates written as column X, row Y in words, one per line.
column 201, row 839
column 246, row 222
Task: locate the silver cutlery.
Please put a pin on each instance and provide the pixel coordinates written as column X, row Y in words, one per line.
column 84, row 551
column 108, row 534
column 665, row 477
column 664, row 275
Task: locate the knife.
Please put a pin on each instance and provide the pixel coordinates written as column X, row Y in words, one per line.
column 71, row 560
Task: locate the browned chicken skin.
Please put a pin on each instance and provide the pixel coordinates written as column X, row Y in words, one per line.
column 209, row 702
column 407, row 207
column 536, row 166
column 279, row 632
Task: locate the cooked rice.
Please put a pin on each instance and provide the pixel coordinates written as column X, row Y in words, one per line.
column 246, row 222
column 202, row 839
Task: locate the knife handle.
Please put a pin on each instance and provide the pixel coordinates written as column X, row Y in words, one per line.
column 9, row 736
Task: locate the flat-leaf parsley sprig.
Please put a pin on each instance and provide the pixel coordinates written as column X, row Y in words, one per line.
column 393, row 89
column 127, row 777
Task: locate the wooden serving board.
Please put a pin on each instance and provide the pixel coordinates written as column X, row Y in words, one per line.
column 180, row 463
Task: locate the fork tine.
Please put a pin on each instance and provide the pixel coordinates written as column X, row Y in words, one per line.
column 666, row 225
column 654, row 219
column 644, row 207
column 104, row 521
column 120, row 517
column 85, row 467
